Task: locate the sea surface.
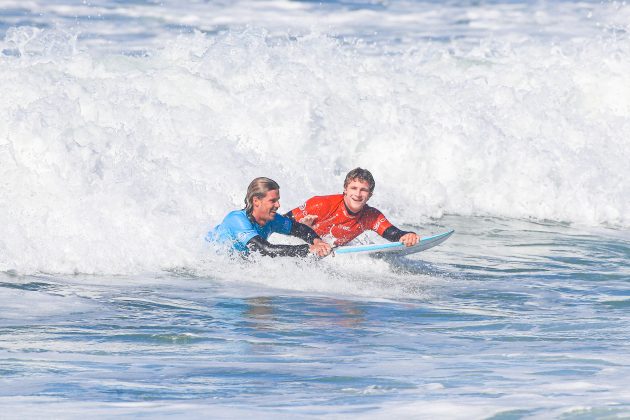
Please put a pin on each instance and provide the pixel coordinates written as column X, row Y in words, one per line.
column 128, row 129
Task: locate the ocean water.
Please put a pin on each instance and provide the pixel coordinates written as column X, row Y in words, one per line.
column 128, row 129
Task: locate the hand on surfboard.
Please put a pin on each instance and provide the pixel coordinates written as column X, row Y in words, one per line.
column 320, row 248
column 409, row 239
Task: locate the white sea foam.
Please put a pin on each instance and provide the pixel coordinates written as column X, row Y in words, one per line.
column 117, row 164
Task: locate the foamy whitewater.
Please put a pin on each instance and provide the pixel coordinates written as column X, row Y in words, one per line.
column 128, row 129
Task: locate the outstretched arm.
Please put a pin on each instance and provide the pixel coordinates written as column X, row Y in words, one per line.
column 306, row 233
column 318, row 247
column 258, row 244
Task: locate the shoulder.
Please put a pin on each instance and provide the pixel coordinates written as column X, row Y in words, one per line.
column 371, row 212
column 375, row 219
column 237, row 218
column 318, row 204
column 326, row 199
column 236, row 214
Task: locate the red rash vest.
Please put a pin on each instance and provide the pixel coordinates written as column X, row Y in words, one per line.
column 334, row 220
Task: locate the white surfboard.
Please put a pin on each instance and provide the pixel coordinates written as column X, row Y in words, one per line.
column 397, row 248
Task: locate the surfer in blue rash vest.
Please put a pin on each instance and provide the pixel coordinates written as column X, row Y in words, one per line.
column 247, row 230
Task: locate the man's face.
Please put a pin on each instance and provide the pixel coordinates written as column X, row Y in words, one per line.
column 356, row 195
column 265, row 208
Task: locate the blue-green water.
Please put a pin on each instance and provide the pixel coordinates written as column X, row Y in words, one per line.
column 509, row 319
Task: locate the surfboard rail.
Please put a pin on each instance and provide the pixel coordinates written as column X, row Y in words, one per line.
column 396, row 247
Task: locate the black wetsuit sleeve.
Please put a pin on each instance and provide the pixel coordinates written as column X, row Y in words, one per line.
column 393, row 234
column 258, row 244
column 303, row 232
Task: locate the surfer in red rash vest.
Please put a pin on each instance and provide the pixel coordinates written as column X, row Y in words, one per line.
column 343, row 217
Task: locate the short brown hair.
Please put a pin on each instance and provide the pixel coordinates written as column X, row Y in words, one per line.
column 362, row 175
column 259, row 187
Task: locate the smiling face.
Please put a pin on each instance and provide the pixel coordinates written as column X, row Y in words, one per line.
column 356, row 195
column 265, row 208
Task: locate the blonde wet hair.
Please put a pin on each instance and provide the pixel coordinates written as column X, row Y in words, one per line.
column 259, row 187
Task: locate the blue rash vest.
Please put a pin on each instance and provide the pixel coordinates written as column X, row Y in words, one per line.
column 237, row 229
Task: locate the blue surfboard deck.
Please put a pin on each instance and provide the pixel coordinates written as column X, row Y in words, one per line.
column 397, row 248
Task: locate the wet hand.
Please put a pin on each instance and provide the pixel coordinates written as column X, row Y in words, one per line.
column 320, row 248
column 409, row 239
column 309, row 220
